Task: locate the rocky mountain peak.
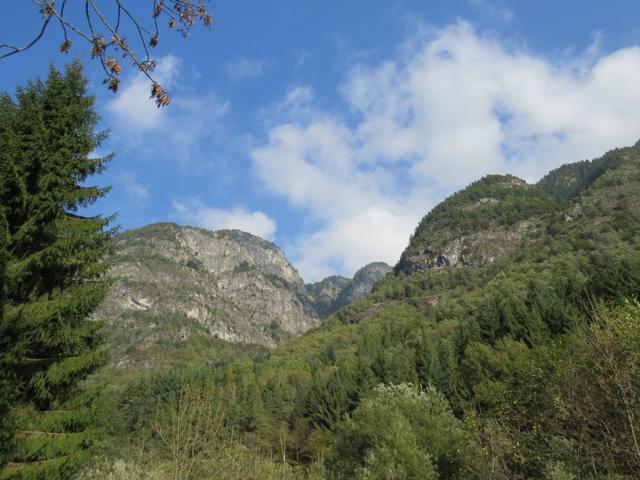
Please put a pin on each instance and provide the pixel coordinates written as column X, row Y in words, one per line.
column 177, row 285
column 333, row 293
column 476, row 225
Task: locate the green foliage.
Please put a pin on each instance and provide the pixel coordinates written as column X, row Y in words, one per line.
column 329, row 398
column 6, row 390
column 527, row 365
column 569, row 408
column 604, row 390
column 55, row 262
column 401, row 432
column 568, row 181
column 232, row 462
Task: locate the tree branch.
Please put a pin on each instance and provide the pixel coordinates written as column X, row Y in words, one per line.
column 104, row 37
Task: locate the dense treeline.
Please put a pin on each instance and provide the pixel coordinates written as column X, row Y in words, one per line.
column 568, row 181
column 526, row 367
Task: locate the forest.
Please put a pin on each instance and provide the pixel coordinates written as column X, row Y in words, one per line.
column 525, row 366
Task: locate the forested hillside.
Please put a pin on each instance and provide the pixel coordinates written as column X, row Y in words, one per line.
column 348, row 241
column 505, row 346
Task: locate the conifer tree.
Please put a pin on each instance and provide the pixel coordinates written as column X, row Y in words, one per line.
column 54, row 271
column 5, row 385
column 7, row 110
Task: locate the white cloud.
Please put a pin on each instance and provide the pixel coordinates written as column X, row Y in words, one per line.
column 349, row 242
column 132, row 105
column 244, row 68
column 451, row 108
column 179, row 127
column 198, row 214
column 134, row 189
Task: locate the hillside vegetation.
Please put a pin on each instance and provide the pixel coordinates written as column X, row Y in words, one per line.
column 505, row 346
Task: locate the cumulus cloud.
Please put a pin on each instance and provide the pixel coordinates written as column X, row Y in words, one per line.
column 132, row 106
column 180, row 127
column 244, row 68
column 446, row 110
column 198, row 214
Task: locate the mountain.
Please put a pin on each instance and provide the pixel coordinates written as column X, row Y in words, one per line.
column 499, row 259
column 503, row 345
column 361, row 284
column 175, row 284
column 486, row 220
column 333, row 293
column 501, row 302
column 323, row 294
column 178, row 289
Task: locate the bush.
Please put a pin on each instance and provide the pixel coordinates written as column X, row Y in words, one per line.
column 398, row 432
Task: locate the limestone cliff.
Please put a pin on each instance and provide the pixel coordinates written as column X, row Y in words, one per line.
column 172, row 282
column 175, row 287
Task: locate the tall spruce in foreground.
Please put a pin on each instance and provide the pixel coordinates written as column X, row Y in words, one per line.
column 6, row 112
column 5, row 385
column 55, row 262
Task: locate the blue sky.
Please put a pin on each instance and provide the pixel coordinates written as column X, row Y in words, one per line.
column 332, row 127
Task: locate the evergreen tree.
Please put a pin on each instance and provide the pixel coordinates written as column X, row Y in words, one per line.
column 54, row 268
column 6, row 109
column 330, row 397
column 5, row 384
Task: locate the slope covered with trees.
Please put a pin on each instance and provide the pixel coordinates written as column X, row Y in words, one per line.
column 522, row 364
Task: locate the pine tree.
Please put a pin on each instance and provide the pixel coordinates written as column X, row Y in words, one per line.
column 54, row 270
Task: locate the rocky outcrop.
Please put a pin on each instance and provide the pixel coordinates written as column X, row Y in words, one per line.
column 361, row 284
column 323, row 294
column 173, row 285
column 487, row 220
column 333, row 293
column 229, row 284
column 478, row 248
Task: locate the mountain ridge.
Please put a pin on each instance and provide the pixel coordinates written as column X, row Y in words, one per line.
column 179, row 285
column 506, row 346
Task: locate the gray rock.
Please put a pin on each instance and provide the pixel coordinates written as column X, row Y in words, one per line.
column 333, row 293
column 233, row 285
column 174, row 284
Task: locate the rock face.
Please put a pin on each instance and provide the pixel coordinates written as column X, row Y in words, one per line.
column 333, row 293
column 362, row 283
column 178, row 286
column 477, row 225
column 323, row 294
column 229, row 284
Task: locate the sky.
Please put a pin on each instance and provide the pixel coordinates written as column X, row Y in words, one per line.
column 332, row 127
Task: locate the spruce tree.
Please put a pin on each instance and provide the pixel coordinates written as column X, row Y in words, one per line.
column 7, row 180
column 54, row 272
column 5, row 383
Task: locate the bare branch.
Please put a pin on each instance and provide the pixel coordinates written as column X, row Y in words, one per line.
column 13, row 49
column 105, row 38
